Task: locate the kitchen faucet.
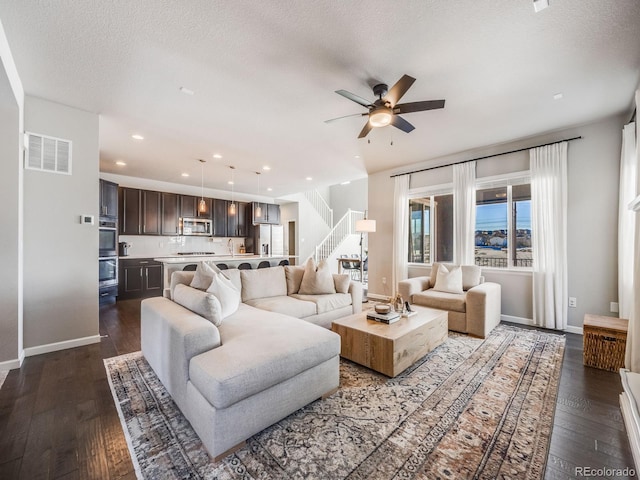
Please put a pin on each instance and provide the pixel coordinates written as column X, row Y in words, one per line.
column 230, row 246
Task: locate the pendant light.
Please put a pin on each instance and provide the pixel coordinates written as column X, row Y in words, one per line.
column 232, row 205
column 202, row 205
column 258, row 211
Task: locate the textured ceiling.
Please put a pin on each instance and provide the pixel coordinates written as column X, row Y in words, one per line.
column 264, row 75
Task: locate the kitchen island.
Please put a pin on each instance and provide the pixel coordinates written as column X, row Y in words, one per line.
column 173, row 263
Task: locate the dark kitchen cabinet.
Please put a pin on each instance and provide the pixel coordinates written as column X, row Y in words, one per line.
column 170, row 208
column 151, row 215
column 220, row 209
column 237, row 225
column 129, row 211
column 139, row 278
column 188, row 206
column 269, row 213
column 108, row 200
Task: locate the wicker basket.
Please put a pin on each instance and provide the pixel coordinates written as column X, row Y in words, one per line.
column 604, row 342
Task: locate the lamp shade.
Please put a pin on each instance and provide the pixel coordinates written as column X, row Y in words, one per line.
column 365, row 226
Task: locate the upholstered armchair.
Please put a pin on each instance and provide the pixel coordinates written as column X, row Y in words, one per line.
column 474, row 308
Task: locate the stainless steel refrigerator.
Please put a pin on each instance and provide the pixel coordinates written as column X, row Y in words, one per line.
column 268, row 240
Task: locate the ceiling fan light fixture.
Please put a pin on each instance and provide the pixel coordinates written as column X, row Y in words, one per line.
column 380, row 117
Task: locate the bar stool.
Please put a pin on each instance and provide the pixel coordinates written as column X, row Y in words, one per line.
column 222, row 266
column 245, row 266
column 190, row 268
column 283, row 263
column 263, row 264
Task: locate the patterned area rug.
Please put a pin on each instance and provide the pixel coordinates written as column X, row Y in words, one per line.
column 470, row 409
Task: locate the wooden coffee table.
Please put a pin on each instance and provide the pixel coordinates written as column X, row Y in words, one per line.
column 391, row 349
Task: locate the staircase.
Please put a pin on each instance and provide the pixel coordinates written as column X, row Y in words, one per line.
column 320, row 205
column 345, row 227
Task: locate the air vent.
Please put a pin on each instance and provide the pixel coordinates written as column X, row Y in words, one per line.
column 48, row 154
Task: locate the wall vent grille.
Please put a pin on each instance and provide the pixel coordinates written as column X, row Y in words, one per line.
column 48, row 154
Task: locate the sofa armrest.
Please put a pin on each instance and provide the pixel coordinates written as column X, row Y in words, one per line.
column 355, row 289
column 171, row 336
column 408, row 288
column 483, row 308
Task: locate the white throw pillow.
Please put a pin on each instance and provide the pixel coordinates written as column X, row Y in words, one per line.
column 226, row 293
column 204, row 304
column 317, row 280
column 341, row 282
column 203, row 276
column 448, row 281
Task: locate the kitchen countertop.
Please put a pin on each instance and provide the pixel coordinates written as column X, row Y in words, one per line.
column 238, row 257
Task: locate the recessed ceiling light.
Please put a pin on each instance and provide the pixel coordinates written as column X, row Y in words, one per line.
column 121, row 163
column 309, row 178
column 185, row 174
column 137, row 137
column 557, row 96
column 540, row 5
column 345, row 183
column 230, row 182
column 186, row 91
column 266, row 167
column 217, row 155
column 269, row 189
column 356, row 156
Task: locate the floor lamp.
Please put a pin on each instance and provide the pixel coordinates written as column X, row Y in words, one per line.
column 364, row 226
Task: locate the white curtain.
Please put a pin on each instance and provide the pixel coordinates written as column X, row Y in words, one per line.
column 400, row 230
column 632, row 354
column 464, row 213
column 626, row 219
column 549, row 235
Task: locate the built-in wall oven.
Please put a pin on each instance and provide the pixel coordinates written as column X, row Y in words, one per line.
column 108, row 272
column 108, row 245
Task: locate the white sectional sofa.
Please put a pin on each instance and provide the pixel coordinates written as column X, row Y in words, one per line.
column 258, row 366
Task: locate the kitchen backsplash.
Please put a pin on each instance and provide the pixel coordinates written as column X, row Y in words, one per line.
column 152, row 246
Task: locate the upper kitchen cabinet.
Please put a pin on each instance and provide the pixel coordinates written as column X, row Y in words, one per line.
column 269, row 213
column 108, row 200
column 237, row 225
column 170, row 208
column 129, row 211
column 188, row 206
column 220, row 217
column 151, row 215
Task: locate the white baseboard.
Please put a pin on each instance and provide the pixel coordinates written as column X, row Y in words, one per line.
column 54, row 347
column 13, row 364
column 520, row 320
column 572, row 329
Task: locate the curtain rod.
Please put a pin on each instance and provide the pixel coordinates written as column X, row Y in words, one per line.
column 486, row 156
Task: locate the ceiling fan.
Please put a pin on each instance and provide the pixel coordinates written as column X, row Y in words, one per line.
column 384, row 111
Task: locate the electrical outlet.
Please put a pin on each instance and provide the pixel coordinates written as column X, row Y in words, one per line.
column 384, row 280
column 573, row 302
column 613, row 307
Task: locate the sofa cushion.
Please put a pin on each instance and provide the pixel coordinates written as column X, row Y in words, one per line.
column 470, row 276
column 233, row 274
column 294, row 274
column 317, row 280
column 341, row 282
column 441, row 300
column 226, row 293
column 273, row 348
column 204, row 304
column 449, row 279
column 262, row 283
column 203, row 276
column 328, row 302
column 286, row 305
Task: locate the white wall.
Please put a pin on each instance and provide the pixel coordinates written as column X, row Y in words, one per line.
column 11, row 198
column 311, row 229
column 353, row 196
column 60, row 254
column 592, row 217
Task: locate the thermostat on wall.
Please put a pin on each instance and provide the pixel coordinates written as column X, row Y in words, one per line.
column 86, row 219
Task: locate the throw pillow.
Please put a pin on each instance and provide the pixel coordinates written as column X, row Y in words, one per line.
column 204, row 304
column 203, row 276
column 226, row 292
column 341, row 282
column 448, row 281
column 317, row 280
column 294, row 276
column 470, row 276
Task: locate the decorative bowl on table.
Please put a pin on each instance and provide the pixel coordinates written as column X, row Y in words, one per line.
column 382, row 308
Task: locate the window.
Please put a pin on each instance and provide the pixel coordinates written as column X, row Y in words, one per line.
column 503, row 226
column 431, row 214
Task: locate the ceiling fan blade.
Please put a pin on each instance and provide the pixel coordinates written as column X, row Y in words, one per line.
column 418, row 106
column 365, row 130
column 346, row 116
column 354, row 98
column 399, row 89
column 402, row 124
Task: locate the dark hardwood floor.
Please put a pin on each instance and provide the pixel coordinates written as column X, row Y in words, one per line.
column 58, row 419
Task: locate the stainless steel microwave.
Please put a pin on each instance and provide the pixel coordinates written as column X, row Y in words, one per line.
column 196, row 226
